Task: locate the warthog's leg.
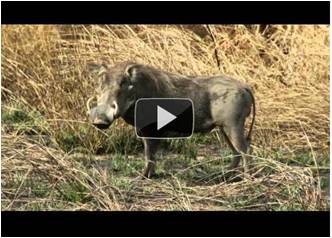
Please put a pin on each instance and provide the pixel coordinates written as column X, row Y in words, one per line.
column 234, row 135
column 150, row 148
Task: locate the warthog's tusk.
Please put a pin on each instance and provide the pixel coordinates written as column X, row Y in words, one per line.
column 116, row 108
column 88, row 103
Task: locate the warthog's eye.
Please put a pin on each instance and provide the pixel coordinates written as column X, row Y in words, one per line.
column 123, row 83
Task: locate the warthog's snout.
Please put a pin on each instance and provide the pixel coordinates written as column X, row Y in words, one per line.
column 99, row 119
column 102, row 116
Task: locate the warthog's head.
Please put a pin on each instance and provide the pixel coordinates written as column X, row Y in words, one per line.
column 115, row 93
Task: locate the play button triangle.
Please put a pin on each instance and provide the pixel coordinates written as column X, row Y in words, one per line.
column 163, row 117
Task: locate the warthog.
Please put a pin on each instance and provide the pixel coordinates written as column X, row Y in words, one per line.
column 219, row 101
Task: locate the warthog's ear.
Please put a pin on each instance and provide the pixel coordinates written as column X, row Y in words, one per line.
column 98, row 69
column 130, row 73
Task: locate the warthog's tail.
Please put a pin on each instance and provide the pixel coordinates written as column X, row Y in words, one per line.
column 253, row 115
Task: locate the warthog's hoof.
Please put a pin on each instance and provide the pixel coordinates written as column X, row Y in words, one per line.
column 149, row 171
column 233, row 175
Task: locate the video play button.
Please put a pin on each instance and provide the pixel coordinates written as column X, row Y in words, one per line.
column 164, row 118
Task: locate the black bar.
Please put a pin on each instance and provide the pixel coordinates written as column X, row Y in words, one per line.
column 166, row 12
column 165, row 224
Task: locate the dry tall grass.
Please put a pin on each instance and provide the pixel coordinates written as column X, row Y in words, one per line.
column 43, row 67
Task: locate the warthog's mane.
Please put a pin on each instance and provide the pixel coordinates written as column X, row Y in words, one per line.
column 160, row 79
